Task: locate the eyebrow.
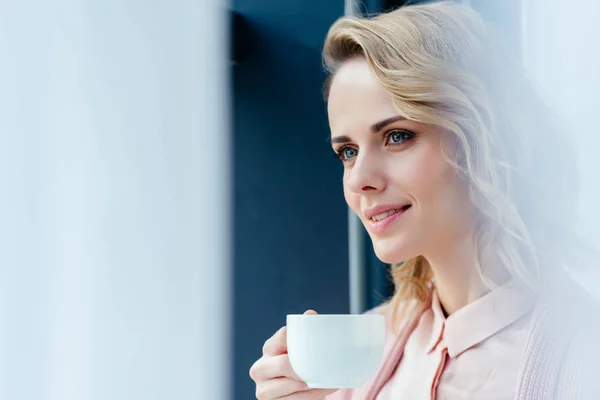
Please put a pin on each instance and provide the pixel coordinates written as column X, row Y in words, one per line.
column 382, row 124
column 374, row 128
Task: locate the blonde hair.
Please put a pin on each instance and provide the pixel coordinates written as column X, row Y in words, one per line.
column 442, row 66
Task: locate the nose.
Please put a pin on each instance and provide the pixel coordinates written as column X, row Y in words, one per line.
column 366, row 175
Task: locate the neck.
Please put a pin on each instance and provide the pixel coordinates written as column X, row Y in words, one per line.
column 457, row 281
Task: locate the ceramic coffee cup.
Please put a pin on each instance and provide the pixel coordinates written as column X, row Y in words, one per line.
column 335, row 351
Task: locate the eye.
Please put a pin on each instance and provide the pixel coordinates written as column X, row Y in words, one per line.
column 348, row 152
column 399, row 136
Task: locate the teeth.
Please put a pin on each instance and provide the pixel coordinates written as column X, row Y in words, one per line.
column 381, row 216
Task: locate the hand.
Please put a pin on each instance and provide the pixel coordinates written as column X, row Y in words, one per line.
column 274, row 376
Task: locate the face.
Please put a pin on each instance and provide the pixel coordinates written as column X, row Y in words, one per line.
column 395, row 176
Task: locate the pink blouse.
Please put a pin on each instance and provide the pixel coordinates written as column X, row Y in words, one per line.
column 475, row 353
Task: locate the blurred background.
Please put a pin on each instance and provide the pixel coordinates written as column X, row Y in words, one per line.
column 169, row 194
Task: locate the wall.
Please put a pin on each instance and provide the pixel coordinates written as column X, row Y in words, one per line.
column 113, row 241
column 290, row 219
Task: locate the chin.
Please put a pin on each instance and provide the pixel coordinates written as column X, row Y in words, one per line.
column 392, row 251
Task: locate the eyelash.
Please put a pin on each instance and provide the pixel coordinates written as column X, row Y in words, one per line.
column 339, row 152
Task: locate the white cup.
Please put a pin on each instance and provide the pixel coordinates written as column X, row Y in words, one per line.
column 335, row 351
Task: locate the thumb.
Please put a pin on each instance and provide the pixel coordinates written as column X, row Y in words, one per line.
column 310, row 312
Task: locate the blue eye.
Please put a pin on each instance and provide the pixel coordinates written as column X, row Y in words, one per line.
column 398, row 136
column 348, row 152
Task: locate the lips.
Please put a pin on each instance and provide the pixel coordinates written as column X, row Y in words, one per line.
column 379, row 213
column 380, row 218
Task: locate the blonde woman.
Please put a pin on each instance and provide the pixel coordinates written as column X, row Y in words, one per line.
column 467, row 183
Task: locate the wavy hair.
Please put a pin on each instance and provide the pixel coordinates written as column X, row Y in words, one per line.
column 443, row 66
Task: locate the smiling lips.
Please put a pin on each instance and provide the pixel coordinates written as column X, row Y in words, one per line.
column 381, row 217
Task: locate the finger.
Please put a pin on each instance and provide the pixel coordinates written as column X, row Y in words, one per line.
column 254, row 369
column 279, row 387
column 276, row 344
column 273, row 367
column 311, row 394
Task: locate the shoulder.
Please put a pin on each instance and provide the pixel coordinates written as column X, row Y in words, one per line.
column 571, row 303
column 567, row 308
column 583, row 348
column 566, row 323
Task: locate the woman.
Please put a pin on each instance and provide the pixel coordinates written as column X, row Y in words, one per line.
column 466, row 182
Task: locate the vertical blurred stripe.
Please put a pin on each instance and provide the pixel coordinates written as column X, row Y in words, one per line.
column 560, row 52
column 351, row 7
column 114, row 214
column 357, row 245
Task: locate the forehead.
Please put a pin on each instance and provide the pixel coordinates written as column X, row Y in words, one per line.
column 356, row 99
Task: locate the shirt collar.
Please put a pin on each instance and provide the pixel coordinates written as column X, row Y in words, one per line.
column 439, row 320
column 480, row 319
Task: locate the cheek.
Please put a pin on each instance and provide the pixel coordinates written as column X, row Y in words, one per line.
column 352, row 198
column 429, row 178
column 438, row 189
column 421, row 171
